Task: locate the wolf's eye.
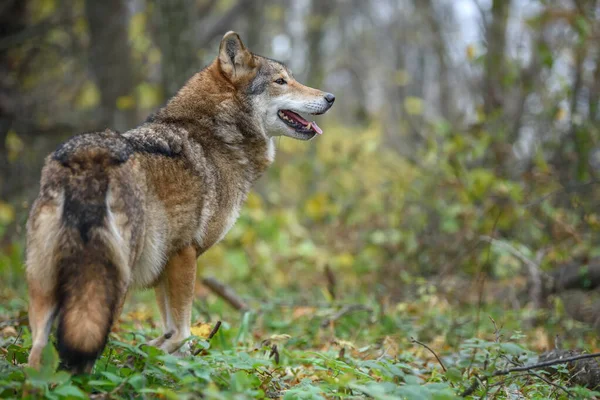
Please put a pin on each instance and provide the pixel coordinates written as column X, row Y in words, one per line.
column 280, row 81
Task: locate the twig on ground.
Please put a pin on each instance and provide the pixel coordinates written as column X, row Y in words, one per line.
column 226, row 293
column 549, row 382
column 432, row 352
column 545, row 364
column 212, row 333
column 214, row 330
column 18, row 335
column 344, row 311
column 525, row 368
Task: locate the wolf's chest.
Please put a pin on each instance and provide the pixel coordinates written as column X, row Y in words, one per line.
column 216, row 220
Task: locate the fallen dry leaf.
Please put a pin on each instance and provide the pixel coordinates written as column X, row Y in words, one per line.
column 9, row 331
column 201, row 330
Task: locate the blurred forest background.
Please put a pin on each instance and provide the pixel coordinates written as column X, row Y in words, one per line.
column 461, row 157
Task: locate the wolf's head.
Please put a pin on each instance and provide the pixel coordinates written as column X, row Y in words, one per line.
column 275, row 97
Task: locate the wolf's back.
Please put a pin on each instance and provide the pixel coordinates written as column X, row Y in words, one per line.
column 88, row 263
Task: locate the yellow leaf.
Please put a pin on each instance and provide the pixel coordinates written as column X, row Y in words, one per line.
column 148, row 96
column 413, row 105
column 141, row 314
column 303, row 311
column 7, row 213
column 201, row 330
column 316, row 206
column 88, row 96
column 254, row 201
column 470, row 52
column 14, row 145
column 561, row 113
column 125, row 102
column 401, row 77
column 344, row 260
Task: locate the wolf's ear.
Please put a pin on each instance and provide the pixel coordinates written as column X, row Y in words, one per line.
column 234, row 59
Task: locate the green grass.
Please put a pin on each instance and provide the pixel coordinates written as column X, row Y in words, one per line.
column 324, row 350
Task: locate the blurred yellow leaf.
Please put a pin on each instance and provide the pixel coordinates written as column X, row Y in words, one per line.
column 413, row 105
column 7, row 213
column 14, row 145
column 470, row 52
column 140, row 314
column 254, row 201
column 88, row 96
column 248, row 237
column 137, row 25
column 402, row 77
column 561, row 113
column 302, row 311
column 275, row 13
column 344, row 260
column 42, row 9
column 125, row 102
column 148, row 95
column 154, row 56
column 316, row 206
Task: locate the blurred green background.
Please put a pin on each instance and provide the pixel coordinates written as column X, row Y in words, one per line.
column 463, row 144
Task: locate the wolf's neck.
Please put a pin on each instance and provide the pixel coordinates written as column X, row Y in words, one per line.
column 220, row 122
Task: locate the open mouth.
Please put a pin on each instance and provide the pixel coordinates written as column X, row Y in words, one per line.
column 299, row 124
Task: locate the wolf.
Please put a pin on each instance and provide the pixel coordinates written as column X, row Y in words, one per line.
column 122, row 211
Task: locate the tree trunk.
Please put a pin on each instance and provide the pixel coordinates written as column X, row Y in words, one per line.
column 494, row 61
column 175, row 36
column 12, row 22
column 110, row 62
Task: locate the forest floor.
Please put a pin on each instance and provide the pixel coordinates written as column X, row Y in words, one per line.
column 307, row 345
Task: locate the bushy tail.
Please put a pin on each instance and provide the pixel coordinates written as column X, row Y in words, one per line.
column 90, row 285
column 88, row 296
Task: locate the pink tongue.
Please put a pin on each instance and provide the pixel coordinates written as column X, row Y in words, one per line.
column 316, row 128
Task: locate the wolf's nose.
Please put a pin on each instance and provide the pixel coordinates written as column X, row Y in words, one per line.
column 330, row 98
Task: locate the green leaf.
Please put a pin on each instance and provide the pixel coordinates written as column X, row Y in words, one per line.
column 70, row 392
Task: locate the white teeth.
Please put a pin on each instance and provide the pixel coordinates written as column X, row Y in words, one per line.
column 309, row 126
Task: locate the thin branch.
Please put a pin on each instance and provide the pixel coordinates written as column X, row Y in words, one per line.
column 545, row 364
column 549, row 382
column 432, row 352
column 226, row 293
column 214, row 330
column 527, row 368
column 344, row 311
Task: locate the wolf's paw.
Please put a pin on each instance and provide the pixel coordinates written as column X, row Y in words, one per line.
column 158, row 342
column 183, row 351
column 176, row 346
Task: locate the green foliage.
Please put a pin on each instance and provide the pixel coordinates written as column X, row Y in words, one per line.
column 333, row 361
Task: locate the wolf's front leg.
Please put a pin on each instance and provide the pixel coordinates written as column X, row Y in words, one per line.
column 175, row 295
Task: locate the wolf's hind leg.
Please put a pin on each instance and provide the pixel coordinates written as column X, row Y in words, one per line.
column 175, row 295
column 42, row 310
